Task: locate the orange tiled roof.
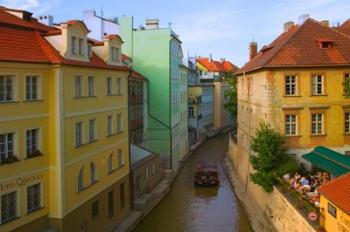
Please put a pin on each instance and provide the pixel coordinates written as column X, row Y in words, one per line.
column 24, row 41
column 113, row 36
column 345, row 27
column 338, row 192
column 300, row 47
column 217, row 66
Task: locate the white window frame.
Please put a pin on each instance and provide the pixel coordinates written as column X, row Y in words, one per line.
column 316, row 83
column 119, row 122
column 17, row 206
column 74, row 45
column 80, row 47
column 289, row 123
column 120, row 158
column 91, row 86
column 78, row 86
column 6, row 145
column 347, row 122
column 93, row 173
column 40, row 197
column 78, row 136
column 291, row 85
column 316, row 122
column 92, row 130
column 109, row 86
column 32, row 92
column 115, row 54
column 80, row 180
column 7, row 97
column 119, row 86
column 38, row 141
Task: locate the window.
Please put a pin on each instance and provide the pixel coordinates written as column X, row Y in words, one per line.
column 81, row 47
column 78, row 86
column 80, row 184
column 8, row 207
column 347, row 122
column 317, row 85
column 110, row 204
column 119, row 86
column 90, row 50
column 122, row 195
column 146, row 173
column 115, row 54
column 78, row 134
column 109, row 85
column 290, row 85
column 32, row 143
column 120, row 158
column 93, row 177
column 7, row 148
column 33, row 198
column 190, row 111
column 109, row 125
column 291, row 124
column 94, row 209
column 332, row 210
column 74, row 45
column 91, row 81
column 119, row 123
column 110, row 163
column 153, row 169
column 92, row 130
column 32, row 88
column 317, row 124
column 6, row 88
column 346, row 82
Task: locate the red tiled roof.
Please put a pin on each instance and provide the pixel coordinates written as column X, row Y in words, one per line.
column 24, row 41
column 113, row 36
column 136, row 75
column 74, row 21
column 217, row 66
column 345, row 27
column 337, row 191
column 300, row 46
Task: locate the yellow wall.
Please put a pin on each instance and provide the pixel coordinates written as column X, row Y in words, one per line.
column 329, row 222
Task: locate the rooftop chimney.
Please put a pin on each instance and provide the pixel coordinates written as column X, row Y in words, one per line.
column 152, row 23
column 210, row 57
column 303, row 18
column 222, row 60
column 253, row 50
column 325, row 23
column 288, row 25
column 47, row 20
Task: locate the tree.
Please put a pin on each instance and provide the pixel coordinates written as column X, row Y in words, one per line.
column 346, row 85
column 231, row 94
column 270, row 159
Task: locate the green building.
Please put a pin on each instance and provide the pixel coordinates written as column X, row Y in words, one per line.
column 157, row 54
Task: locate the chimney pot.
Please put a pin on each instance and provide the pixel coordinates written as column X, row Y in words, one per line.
column 325, row 23
column 288, row 25
column 253, row 50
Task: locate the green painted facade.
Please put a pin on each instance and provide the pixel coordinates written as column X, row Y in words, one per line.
column 156, row 54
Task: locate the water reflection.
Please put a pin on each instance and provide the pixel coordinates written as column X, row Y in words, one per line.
column 198, row 209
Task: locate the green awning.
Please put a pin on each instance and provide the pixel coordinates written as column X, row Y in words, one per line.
column 335, row 163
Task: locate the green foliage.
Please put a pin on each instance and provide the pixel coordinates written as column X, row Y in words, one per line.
column 346, row 85
column 270, row 158
column 231, row 94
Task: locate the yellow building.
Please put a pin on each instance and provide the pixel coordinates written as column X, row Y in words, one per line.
column 335, row 204
column 296, row 85
column 63, row 127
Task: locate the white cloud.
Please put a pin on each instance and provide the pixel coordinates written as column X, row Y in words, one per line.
column 36, row 6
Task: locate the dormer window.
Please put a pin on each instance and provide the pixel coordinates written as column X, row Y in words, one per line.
column 81, row 47
column 115, row 53
column 74, row 45
column 90, row 50
column 325, row 43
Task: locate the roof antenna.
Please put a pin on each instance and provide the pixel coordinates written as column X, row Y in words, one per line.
column 101, row 10
column 170, row 23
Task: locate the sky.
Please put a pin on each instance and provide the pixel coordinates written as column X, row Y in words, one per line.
column 222, row 28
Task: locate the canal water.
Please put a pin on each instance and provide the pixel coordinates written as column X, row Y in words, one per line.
column 190, row 209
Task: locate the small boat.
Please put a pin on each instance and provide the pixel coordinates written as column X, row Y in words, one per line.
column 206, row 174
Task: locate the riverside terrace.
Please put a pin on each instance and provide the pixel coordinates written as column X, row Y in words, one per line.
column 302, row 189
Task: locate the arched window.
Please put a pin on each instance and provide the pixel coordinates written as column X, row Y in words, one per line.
column 93, row 173
column 120, row 158
column 110, row 163
column 80, row 183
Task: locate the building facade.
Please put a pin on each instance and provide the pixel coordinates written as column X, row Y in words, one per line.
column 183, row 88
column 160, row 62
column 64, row 131
column 335, row 204
column 100, row 26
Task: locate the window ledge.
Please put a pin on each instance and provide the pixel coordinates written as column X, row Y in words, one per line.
column 346, row 134
column 34, row 210
column 84, row 97
column 33, row 100
column 84, row 144
column 318, row 135
column 34, row 156
column 291, row 95
column 13, row 160
column 292, row 136
column 114, row 94
column 8, row 102
column 116, row 169
column 318, row 95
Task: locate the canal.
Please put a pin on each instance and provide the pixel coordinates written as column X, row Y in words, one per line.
column 189, row 209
